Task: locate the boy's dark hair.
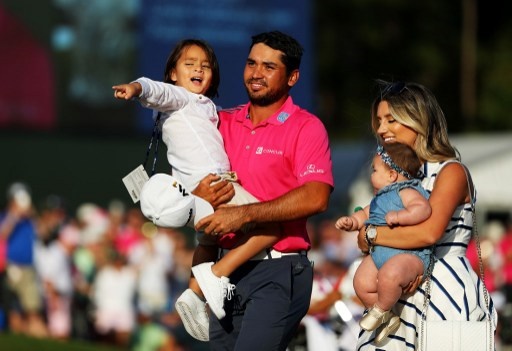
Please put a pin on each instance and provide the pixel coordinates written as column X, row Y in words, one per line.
column 404, row 157
column 291, row 49
column 174, row 56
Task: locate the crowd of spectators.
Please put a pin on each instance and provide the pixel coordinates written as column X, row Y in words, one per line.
column 106, row 274
column 99, row 274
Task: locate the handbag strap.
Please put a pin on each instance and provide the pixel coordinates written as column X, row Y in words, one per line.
column 428, row 279
column 472, row 196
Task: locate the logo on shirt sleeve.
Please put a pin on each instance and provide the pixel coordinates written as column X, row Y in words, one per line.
column 311, row 169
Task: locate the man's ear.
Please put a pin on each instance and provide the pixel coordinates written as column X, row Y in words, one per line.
column 293, row 78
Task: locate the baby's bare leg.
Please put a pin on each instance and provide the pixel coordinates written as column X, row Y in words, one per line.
column 394, row 275
column 365, row 282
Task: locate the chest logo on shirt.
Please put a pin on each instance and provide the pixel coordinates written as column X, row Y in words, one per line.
column 283, row 116
column 260, row 150
column 311, row 169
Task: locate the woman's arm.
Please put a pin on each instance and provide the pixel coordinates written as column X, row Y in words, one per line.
column 450, row 190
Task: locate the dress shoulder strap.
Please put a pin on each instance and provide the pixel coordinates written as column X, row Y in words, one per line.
column 471, row 185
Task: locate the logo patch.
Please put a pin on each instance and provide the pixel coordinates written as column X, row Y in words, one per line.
column 260, row 150
column 180, row 188
column 311, row 169
column 283, row 116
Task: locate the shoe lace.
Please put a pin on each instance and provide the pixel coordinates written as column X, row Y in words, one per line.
column 229, row 291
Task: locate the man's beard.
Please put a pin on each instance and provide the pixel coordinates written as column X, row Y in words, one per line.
column 267, row 99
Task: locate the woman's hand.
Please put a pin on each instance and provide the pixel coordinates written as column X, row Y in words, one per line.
column 411, row 288
column 215, row 192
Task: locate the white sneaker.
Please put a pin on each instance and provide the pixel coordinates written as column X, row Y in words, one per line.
column 214, row 289
column 192, row 311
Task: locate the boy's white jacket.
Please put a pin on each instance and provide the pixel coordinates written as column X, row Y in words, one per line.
column 189, row 130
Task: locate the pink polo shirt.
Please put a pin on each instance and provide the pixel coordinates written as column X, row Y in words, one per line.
column 282, row 153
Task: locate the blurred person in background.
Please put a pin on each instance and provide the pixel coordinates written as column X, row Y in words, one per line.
column 153, row 259
column 52, row 217
column 128, row 236
column 56, row 242
column 492, row 259
column 93, row 225
column 22, row 300
column 113, row 297
column 336, row 259
column 505, row 250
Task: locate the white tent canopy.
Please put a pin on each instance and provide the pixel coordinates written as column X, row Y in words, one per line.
column 489, row 159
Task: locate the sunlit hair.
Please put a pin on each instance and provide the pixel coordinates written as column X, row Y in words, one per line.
column 401, row 158
column 291, row 49
column 414, row 106
column 180, row 48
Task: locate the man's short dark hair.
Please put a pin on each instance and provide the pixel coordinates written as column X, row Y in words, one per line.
column 291, row 49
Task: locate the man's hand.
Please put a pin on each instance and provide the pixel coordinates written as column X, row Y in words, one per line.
column 127, row 91
column 226, row 219
column 216, row 194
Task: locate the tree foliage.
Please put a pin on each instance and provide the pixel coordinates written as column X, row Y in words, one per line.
column 358, row 41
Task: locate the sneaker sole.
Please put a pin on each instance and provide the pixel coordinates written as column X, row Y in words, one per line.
column 195, row 329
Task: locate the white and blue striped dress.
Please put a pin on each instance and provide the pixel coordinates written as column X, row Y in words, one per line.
column 456, row 290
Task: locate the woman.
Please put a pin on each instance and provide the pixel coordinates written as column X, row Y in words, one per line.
column 409, row 113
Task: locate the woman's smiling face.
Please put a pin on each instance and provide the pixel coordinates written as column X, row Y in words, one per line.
column 392, row 131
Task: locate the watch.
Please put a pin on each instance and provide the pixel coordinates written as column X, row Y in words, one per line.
column 371, row 235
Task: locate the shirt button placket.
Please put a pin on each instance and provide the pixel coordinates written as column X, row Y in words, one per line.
column 253, row 132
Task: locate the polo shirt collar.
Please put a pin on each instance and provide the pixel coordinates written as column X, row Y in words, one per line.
column 277, row 118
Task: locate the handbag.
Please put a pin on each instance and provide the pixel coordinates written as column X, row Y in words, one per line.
column 458, row 335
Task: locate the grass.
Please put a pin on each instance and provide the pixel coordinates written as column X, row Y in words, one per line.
column 11, row 342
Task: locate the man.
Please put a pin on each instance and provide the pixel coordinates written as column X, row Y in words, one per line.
column 281, row 155
column 18, row 230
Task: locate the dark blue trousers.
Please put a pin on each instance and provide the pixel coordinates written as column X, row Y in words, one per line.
column 270, row 300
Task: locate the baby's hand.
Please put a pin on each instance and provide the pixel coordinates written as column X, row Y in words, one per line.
column 127, row 91
column 392, row 218
column 344, row 223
